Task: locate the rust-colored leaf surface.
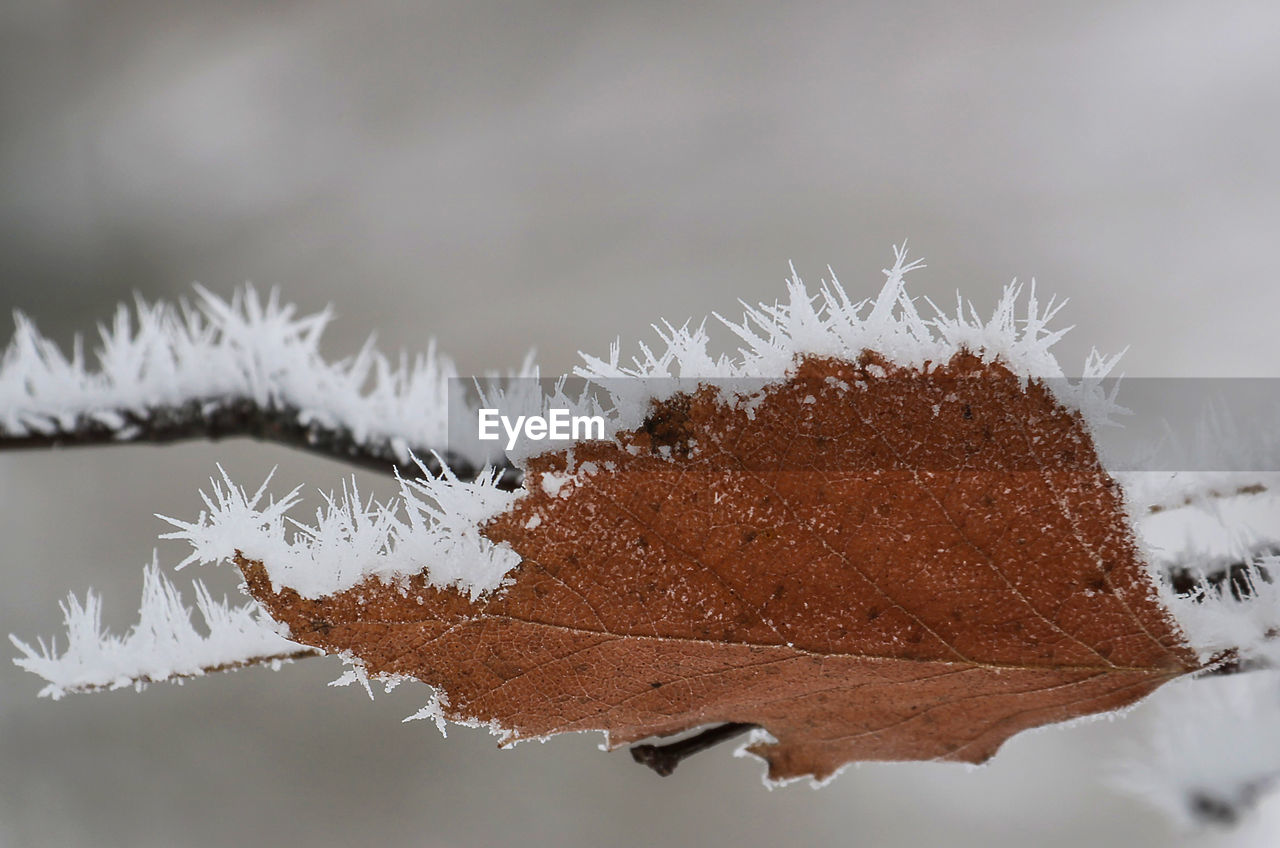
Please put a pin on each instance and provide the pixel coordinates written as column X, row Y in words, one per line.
column 870, row 562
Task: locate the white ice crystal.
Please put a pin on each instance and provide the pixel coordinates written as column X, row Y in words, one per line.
column 164, row 645
column 830, row 323
column 433, row 712
column 1207, row 535
column 161, row 356
column 433, row 529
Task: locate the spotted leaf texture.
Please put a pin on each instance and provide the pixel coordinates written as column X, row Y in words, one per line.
column 868, row 561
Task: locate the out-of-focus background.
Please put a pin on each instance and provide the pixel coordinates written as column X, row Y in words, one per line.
column 502, row 176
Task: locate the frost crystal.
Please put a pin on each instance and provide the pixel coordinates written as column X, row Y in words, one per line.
column 433, row 527
column 1239, row 533
column 829, row 323
column 198, row 359
column 163, row 645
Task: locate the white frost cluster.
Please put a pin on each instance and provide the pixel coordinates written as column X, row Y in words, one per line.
column 216, row 350
column 1210, row 535
column 433, row 527
column 163, row 645
column 830, row 323
column 1249, row 627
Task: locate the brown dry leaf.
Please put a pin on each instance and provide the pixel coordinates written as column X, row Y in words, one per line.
column 870, row 562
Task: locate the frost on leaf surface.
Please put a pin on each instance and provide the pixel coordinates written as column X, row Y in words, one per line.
column 901, row 545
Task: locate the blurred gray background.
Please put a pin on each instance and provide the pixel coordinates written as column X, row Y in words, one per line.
column 555, row 175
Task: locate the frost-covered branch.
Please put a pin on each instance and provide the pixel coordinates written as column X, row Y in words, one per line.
column 434, row 522
column 246, row 367
column 1237, row 579
column 163, row 646
column 1216, row 559
column 1216, row 548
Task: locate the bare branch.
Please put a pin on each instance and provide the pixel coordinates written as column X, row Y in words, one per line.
column 663, row 759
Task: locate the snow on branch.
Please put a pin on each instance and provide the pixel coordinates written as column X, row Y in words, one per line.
column 245, row 367
column 164, row 645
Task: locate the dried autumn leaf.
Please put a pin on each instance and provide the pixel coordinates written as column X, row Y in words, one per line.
column 872, row 562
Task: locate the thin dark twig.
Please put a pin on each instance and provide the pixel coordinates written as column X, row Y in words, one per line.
column 664, row 758
column 1250, row 489
column 236, row 665
column 227, row 418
